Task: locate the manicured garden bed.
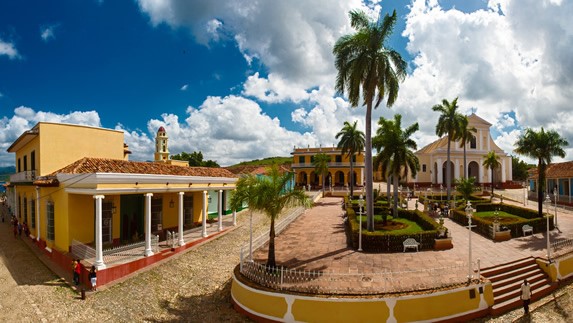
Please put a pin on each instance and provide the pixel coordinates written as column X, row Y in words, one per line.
column 510, row 217
column 409, row 224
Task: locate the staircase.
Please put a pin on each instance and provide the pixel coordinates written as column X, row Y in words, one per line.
column 506, row 281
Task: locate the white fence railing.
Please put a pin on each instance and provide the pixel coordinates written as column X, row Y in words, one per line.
column 113, row 254
column 562, row 247
column 356, row 283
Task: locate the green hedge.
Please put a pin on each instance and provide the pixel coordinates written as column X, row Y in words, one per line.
column 482, row 227
column 393, row 242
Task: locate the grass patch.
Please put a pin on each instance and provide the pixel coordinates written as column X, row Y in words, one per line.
column 395, row 226
column 504, row 218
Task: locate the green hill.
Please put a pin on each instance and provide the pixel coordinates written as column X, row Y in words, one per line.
column 266, row 161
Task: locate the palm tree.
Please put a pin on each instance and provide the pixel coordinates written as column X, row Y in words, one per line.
column 491, row 161
column 466, row 136
column 270, row 194
column 370, row 70
column 449, row 123
column 465, row 186
column 541, row 146
column 351, row 142
column 320, row 163
column 247, row 194
column 396, row 151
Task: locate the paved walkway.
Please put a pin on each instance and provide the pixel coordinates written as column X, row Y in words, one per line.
column 317, row 241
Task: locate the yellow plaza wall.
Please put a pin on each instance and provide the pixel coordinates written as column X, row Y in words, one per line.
column 442, row 305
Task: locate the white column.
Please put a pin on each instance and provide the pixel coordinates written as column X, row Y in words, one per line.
column 204, row 215
column 98, row 239
column 480, row 139
column 37, row 213
column 220, row 209
column 148, row 251
column 488, row 142
column 181, row 242
column 510, row 166
column 456, row 169
column 482, row 171
column 439, row 175
column 503, row 170
column 234, row 217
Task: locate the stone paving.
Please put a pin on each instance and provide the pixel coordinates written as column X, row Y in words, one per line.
column 317, row 241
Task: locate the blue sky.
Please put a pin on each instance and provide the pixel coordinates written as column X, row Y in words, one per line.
column 241, row 80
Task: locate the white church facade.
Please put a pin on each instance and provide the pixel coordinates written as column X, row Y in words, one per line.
column 433, row 159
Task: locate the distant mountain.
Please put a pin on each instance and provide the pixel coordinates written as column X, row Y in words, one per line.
column 5, row 173
column 7, row 170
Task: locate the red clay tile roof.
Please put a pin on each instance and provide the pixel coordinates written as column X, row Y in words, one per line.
column 89, row 165
column 555, row 170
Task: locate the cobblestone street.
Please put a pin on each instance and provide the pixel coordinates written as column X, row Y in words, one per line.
column 189, row 287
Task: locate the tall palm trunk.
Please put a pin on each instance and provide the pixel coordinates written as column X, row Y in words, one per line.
column 368, row 168
column 271, row 261
column 541, row 187
column 448, row 173
column 492, row 173
column 388, row 187
column 465, row 164
column 395, row 204
column 351, row 181
column 323, row 182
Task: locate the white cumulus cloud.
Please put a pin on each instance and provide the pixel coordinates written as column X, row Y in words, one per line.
column 8, row 49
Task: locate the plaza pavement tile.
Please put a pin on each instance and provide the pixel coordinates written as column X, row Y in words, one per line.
column 317, row 241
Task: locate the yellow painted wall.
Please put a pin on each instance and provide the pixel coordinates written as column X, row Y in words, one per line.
column 549, row 269
column 82, row 222
column 63, row 144
column 424, row 307
column 170, row 214
column 566, row 267
column 33, row 145
column 327, row 310
column 272, row 305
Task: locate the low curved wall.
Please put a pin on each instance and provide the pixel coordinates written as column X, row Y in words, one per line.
column 450, row 305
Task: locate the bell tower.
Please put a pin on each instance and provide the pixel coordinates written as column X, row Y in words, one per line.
column 161, row 150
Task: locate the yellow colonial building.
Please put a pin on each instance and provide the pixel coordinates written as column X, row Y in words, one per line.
column 338, row 167
column 433, row 158
column 75, row 183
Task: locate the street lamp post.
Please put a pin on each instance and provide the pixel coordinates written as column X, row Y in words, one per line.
column 555, row 218
column 469, row 213
column 547, row 204
column 361, row 205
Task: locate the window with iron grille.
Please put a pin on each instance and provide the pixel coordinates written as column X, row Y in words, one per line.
column 156, row 218
column 50, row 235
column 188, row 210
column 33, row 213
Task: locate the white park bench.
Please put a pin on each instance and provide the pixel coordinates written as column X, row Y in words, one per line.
column 411, row 243
column 527, row 228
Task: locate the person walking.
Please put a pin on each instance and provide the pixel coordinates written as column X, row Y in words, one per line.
column 76, row 271
column 93, row 278
column 526, row 296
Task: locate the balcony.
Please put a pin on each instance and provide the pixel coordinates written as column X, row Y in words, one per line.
column 25, row 176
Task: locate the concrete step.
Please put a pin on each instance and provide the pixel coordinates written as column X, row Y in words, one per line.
column 514, row 302
column 493, row 271
column 519, row 271
column 514, row 290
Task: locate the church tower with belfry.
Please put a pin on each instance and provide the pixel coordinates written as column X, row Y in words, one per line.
column 161, row 150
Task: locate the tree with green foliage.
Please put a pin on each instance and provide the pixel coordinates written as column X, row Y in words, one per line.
column 351, row 142
column 449, row 123
column 466, row 135
column 370, row 70
column 270, row 195
column 396, row 152
column 465, row 186
column 320, row 163
column 195, row 159
column 519, row 169
column 541, row 146
column 246, row 195
column 491, row 161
